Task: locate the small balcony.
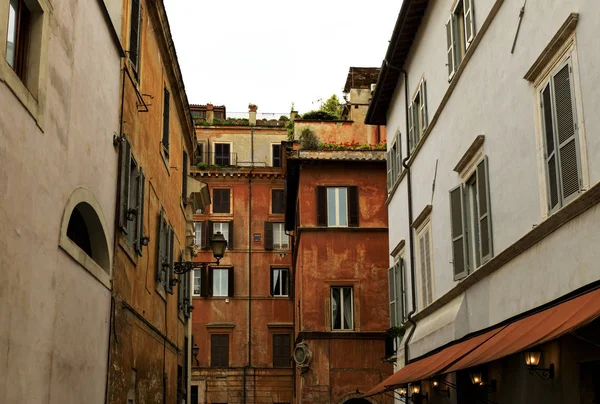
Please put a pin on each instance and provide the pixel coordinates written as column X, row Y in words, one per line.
column 212, row 160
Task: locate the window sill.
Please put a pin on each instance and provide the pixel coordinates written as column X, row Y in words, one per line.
column 18, row 88
column 128, row 249
column 161, row 291
column 85, row 261
column 165, row 158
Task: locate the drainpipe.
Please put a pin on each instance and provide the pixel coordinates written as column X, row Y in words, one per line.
column 249, row 257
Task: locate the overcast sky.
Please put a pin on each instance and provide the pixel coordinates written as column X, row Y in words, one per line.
column 275, row 52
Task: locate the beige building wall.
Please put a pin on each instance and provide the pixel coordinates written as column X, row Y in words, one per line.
column 56, row 149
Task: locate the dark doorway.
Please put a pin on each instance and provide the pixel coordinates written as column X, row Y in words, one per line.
column 589, row 382
column 357, row 401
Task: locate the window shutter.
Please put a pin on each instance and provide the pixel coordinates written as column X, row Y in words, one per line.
column 134, row 34
column 204, row 237
column 353, row 207
column 398, row 158
column 204, row 282
column 427, row 281
column 424, row 104
column 230, row 241
column 388, row 159
column 166, row 120
column 125, row 162
column 210, row 282
column 210, row 230
column 458, row 233
column 398, row 268
column 171, row 266
column 469, row 21
column 186, row 293
column 271, row 274
column 411, row 128
column 549, row 148
column 181, row 287
column 566, row 133
column 392, row 295
column 321, row 206
column 160, row 251
column 184, row 179
column 230, row 282
column 268, row 235
column 450, row 45
column 140, row 212
column 483, row 206
column 290, row 283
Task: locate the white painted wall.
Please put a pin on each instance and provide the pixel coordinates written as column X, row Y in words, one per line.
column 493, row 99
column 54, row 316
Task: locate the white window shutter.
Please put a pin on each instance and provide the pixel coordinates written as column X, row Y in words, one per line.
column 392, row 296
column 388, row 158
column 399, row 292
column 469, row 22
column 450, row 46
column 484, row 212
column 411, row 128
column 428, row 269
column 550, row 155
column 423, row 90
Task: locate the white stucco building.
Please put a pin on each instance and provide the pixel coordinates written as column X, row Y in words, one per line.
column 59, row 110
column 494, row 184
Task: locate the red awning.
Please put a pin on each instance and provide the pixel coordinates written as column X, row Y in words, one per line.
column 501, row 341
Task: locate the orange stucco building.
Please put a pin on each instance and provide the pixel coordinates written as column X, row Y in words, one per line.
column 242, row 322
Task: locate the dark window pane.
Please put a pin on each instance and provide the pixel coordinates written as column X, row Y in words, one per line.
column 281, row 350
column 221, row 203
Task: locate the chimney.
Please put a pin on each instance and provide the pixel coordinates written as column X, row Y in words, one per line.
column 293, row 115
column 252, row 114
column 210, row 113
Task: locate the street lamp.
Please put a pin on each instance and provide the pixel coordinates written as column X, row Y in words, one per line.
column 195, row 351
column 532, row 361
column 218, row 244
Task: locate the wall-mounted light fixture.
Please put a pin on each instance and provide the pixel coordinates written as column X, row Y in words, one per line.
column 532, row 361
column 436, row 385
column 195, row 351
column 218, row 244
column 479, row 379
column 402, row 391
column 417, row 396
column 476, row 378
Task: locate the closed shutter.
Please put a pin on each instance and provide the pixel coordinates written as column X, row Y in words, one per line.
column 277, row 201
column 219, row 350
column 166, row 120
column 392, row 295
column 230, row 241
column 184, row 179
column 205, row 282
column 230, row 283
column 484, row 211
column 171, row 264
column 162, row 249
column 181, row 288
column 353, row 207
column 423, row 105
column 125, row 163
column 425, row 261
column 140, row 212
column 566, row 133
column 268, row 235
column 204, row 237
column 276, row 155
column 398, row 269
column 451, row 46
column 459, row 239
column 398, row 158
column 389, row 160
column 210, row 282
column 210, row 231
column 550, row 154
column 411, row 128
column 134, row 34
column 281, row 350
column 321, row 206
column 469, row 21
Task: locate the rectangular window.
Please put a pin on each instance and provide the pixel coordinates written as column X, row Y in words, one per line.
column 424, row 249
column 276, row 155
column 342, row 308
column 417, row 116
column 196, row 283
column 280, row 239
column 198, row 234
column 394, row 163
column 220, row 279
column 184, row 292
column 471, row 223
column 561, row 145
column 194, row 395
column 277, row 201
column 131, row 204
column 337, row 206
column 223, row 154
column 134, row 35
column 280, row 282
column 17, row 40
column 221, row 200
column 166, row 121
column 281, row 351
column 223, row 228
column 201, row 158
column 397, row 293
column 460, row 32
column 162, row 250
column 219, row 350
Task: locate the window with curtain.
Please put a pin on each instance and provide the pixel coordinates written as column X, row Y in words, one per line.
column 280, row 282
column 342, row 308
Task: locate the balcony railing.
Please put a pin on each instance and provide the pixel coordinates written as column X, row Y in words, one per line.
column 207, row 159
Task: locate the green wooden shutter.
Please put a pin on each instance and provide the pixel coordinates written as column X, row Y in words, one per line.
column 140, row 212
column 550, row 154
column 353, row 207
column 125, row 167
column 161, row 250
column 170, row 262
column 166, row 120
column 134, row 35
column 181, row 288
column 484, row 212
column 268, row 235
column 469, row 22
column 184, row 179
column 392, row 295
column 458, row 230
column 566, row 134
column 321, row 206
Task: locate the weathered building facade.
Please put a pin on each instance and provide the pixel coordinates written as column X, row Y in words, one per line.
column 493, row 184
column 149, row 340
column 243, row 308
column 59, row 97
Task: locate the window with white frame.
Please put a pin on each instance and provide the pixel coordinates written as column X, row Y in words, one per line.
column 196, row 283
column 280, row 282
column 223, row 228
column 220, row 284
column 562, row 154
column 280, row 239
column 460, row 31
column 417, row 116
column 342, row 308
column 425, row 264
column 198, row 234
column 337, row 207
column 471, row 223
column 394, row 162
column 397, row 293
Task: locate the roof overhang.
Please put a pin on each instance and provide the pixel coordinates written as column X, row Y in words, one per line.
column 407, row 25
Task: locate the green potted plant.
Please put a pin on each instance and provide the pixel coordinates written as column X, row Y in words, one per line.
column 252, row 107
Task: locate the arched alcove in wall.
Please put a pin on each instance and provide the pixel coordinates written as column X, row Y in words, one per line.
column 84, row 234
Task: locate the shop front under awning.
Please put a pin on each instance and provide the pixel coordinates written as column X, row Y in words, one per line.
column 500, row 341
